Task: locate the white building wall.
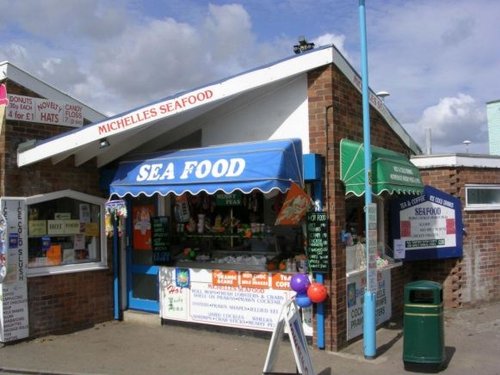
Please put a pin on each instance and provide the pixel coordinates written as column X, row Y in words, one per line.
column 280, row 113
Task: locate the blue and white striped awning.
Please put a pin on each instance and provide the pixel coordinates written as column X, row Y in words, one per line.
column 264, row 166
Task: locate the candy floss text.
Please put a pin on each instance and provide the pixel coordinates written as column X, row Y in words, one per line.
column 157, row 110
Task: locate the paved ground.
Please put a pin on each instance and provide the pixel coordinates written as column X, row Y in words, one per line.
column 131, row 347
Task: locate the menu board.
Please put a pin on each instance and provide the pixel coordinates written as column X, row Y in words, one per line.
column 160, row 240
column 318, row 247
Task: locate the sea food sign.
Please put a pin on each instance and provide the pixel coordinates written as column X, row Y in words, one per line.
column 427, row 226
column 190, row 169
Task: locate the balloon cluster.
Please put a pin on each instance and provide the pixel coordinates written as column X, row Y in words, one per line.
column 307, row 292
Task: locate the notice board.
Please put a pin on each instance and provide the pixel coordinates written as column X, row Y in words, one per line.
column 318, row 244
column 427, row 226
column 160, row 240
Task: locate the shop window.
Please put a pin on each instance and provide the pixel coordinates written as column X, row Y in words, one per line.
column 482, row 197
column 65, row 232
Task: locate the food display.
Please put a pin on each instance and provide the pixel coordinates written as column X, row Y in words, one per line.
column 234, row 231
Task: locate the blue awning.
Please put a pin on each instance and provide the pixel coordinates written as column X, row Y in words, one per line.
column 264, row 166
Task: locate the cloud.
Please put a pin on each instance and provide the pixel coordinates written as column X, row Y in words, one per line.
column 117, row 55
column 337, row 40
column 451, row 121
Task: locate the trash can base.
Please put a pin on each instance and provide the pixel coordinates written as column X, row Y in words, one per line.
column 424, row 367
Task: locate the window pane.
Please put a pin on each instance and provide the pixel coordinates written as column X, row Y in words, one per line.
column 483, row 196
column 63, row 231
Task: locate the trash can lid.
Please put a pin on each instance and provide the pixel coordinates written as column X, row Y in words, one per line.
column 423, row 284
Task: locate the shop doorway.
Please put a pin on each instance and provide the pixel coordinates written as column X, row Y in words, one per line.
column 142, row 274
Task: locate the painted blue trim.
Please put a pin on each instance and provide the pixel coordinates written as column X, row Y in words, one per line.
column 370, row 345
column 133, row 302
column 116, row 274
column 320, row 308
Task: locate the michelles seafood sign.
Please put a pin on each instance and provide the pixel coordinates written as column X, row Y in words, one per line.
column 155, row 111
column 44, row 111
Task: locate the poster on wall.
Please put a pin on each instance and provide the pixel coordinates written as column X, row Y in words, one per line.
column 14, row 324
column 428, row 226
column 356, row 285
column 142, row 226
column 44, row 111
column 239, row 299
column 160, row 241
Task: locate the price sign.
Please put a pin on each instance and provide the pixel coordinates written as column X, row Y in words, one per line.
column 160, row 241
column 318, row 245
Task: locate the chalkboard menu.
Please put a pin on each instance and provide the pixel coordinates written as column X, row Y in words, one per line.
column 318, row 247
column 160, row 240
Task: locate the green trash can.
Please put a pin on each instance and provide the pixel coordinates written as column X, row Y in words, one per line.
column 423, row 325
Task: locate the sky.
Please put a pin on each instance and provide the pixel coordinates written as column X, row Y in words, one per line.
column 438, row 59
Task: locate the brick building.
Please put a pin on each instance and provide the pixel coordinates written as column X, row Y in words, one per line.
column 314, row 97
column 474, row 179
column 63, row 297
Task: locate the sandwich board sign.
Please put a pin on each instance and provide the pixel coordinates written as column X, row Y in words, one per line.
column 290, row 319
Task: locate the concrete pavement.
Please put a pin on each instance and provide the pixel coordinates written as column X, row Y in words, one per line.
column 131, row 347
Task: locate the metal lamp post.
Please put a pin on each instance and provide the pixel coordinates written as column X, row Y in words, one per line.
column 369, row 304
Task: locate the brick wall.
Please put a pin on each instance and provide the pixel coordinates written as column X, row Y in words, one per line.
column 65, row 302
column 474, row 278
column 335, row 112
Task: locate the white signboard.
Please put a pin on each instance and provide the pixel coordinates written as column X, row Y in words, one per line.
column 355, row 292
column 372, row 239
column 14, row 324
column 44, row 111
column 249, row 300
column 289, row 318
column 428, row 224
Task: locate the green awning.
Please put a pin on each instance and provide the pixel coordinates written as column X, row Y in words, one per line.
column 391, row 171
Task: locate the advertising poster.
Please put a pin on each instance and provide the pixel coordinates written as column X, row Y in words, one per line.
column 430, row 226
column 14, row 324
column 142, row 226
column 295, row 206
column 356, row 285
column 44, row 111
column 240, row 299
column 4, row 102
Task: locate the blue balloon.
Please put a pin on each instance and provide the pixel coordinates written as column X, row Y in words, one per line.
column 303, row 300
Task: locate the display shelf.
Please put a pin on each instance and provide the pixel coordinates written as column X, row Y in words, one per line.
column 388, row 267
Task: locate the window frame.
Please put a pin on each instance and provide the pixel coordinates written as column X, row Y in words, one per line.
column 480, row 206
column 76, row 267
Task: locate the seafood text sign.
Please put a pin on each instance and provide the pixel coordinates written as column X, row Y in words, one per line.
column 430, row 226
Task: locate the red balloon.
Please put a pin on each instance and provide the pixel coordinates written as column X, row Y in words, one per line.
column 317, row 292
